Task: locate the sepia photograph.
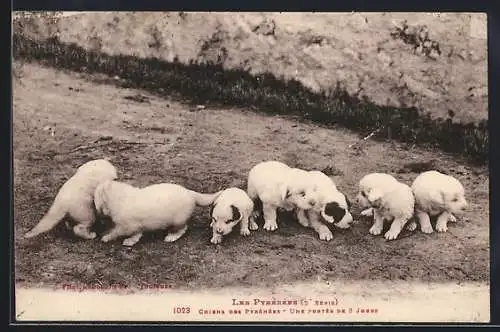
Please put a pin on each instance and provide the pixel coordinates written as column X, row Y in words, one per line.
column 246, row 167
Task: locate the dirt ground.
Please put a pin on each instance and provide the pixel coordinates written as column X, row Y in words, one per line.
column 62, row 120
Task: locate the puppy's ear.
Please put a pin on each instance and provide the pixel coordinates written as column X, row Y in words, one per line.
column 375, row 198
column 236, row 213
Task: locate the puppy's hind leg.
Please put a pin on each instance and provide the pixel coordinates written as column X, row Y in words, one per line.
column 367, row 212
column 252, row 224
column 396, row 227
column 270, row 216
column 130, row 241
column 256, row 213
column 116, row 232
column 84, row 232
column 244, row 226
column 174, row 236
column 411, row 226
column 302, row 218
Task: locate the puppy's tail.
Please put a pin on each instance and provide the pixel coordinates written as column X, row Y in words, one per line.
column 205, row 199
column 49, row 221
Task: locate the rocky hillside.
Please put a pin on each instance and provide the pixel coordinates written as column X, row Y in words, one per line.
column 435, row 62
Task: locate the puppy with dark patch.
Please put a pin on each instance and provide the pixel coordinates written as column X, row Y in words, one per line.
column 233, row 206
column 333, row 207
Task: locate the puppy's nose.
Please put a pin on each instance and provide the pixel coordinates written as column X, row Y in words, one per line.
column 312, row 202
column 219, row 230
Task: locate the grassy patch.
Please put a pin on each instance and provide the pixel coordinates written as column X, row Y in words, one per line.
column 210, row 82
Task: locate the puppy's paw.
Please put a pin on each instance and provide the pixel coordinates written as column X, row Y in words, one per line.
column 452, row 218
column 255, row 215
column 391, row 234
column 253, row 225
column 271, row 226
column 427, row 229
column 367, row 213
column 244, row 231
column 441, row 227
column 375, row 230
column 325, row 235
column 411, row 226
column 216, row 239
column 171, row 237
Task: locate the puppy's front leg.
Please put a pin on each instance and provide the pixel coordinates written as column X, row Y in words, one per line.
column 323, row 231
column 378, row 224
column 253, row 225
column 442, row 221
column 174, row 236
column 396, row 227
column 270, row 215
column 411, row 226
column 425, row 222
column 216, row 238
column 132, row 240
column 302, row 218
column 244, row 231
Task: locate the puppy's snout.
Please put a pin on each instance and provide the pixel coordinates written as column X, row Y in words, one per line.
column 219, row 230
column 312, row 202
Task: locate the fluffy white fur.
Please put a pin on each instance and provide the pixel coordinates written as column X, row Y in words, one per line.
column 233, row 206
column 437, row 194
column 164, row 206
column 390, row 200
column 76, row 199
column 332, row 206
column 277, row 185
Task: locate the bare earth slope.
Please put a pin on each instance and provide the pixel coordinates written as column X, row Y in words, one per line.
column 62, row 120
column 321, row 49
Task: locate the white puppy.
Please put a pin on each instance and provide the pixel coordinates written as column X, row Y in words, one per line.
column 437, row 194
column 390, row 200
column 76, row 199
column 277, row 185
column 157, row 207
column 233, row 206
column 332, row 205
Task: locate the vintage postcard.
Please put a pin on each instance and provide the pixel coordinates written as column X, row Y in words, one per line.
column 251, row 167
